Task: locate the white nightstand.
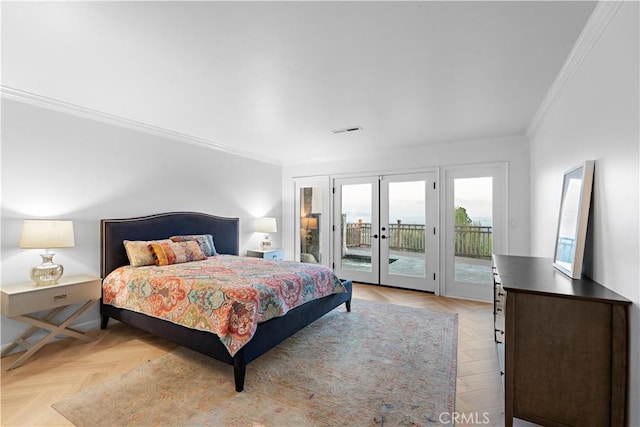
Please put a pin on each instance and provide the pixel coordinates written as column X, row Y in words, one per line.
column 267, row 253
column 22, row 298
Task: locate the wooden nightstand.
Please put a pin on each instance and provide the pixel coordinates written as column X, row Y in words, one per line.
column 20, row 299
column 266, row 254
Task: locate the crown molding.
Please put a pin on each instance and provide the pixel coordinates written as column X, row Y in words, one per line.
column 594, row 28
column 88, row 113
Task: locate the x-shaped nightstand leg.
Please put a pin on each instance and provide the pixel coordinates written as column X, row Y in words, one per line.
column 47, row 324
column 21, row 341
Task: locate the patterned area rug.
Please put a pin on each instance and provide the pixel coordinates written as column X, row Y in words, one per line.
column 381, row 364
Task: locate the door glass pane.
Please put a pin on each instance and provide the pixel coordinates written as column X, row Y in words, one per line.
column 311, row 224
column 407, row 221
column 473, row 236
column 356, row 227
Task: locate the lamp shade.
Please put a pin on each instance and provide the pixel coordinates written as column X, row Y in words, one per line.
column 309, row 223
column 266, row 225
column 45, row 234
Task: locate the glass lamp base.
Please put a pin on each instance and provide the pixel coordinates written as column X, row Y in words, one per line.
column 266, row 244
column 46, row 273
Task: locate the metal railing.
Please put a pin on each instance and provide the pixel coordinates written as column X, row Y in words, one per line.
column 471, row 241
column 566, row 249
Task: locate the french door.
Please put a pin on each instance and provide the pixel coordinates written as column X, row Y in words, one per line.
column 385, row 230
column 475, row 201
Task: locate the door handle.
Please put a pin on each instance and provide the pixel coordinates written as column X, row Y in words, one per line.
column 375, row 236
column 383, row 237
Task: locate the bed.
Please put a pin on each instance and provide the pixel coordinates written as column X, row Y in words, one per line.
column 225, row 232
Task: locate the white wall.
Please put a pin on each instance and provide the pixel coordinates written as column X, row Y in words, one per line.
column 596, row 117
column 57, row 165
column 513, row 150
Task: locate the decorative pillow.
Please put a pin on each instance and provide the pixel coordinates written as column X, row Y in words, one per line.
column 165, row 253
column 308, row 258
column 139, row 253
column 204, row 240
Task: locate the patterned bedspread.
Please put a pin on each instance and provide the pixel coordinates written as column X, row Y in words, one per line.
column 224, row 294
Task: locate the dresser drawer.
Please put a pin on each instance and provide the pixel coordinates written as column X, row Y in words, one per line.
column 500, row 307
column 499, row 304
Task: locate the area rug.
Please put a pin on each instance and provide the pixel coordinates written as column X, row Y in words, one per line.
column 381, row 364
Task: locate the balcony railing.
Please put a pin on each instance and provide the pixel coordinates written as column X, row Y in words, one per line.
column 471, row 241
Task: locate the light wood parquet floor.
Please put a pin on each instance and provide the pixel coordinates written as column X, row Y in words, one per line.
column 66, row 367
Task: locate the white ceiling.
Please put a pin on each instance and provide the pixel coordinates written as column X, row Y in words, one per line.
column 274, row 78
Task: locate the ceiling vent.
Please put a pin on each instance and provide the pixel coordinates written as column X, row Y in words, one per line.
column 349, row 129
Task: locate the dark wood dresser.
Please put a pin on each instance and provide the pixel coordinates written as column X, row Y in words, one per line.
column 563, row 345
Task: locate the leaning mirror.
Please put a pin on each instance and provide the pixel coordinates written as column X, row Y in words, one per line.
column 572, row 222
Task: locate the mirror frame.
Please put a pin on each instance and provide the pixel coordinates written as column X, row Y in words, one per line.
column 582, row 218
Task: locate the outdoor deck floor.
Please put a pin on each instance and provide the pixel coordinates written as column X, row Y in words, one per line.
column 472, row 270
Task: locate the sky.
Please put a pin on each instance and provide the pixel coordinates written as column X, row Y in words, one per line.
column 474, row 194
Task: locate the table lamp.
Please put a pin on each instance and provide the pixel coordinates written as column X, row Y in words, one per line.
column 46, row 234
column 266, row 225
column 309, row 224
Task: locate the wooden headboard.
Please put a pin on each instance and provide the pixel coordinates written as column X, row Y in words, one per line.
column 225, row 233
